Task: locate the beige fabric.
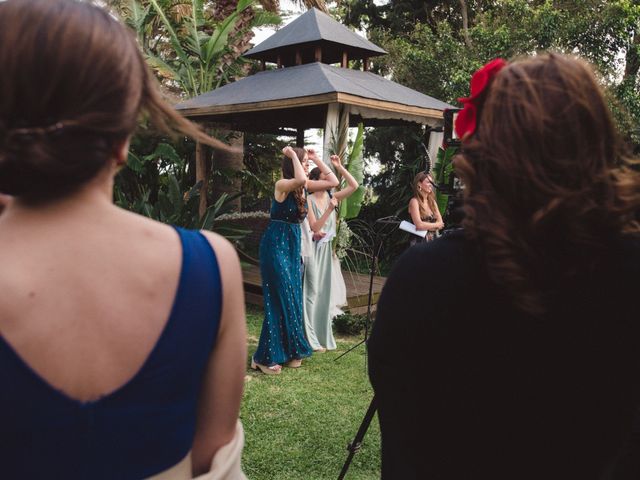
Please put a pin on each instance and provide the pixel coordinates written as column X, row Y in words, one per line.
column 225, row 464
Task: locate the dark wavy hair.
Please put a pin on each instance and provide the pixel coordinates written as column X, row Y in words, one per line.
column 74, row 84
column 548, row 182
column 315, row 173
column 288, row 172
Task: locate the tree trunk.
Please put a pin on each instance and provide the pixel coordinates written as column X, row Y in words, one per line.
column 632, row 59
column 201, row 174
column 229, row 165
column 465, row 23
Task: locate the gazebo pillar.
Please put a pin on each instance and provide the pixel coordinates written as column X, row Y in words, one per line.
column 300, row 137
column 331, row 126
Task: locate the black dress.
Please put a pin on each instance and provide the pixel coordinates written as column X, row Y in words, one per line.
column 470, row 388
column 429, row 236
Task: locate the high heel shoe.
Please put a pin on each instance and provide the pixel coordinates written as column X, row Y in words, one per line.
column 272, row 370
column 295, row 363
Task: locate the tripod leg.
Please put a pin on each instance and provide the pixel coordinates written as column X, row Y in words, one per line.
column 354, row 446
column 352, row 348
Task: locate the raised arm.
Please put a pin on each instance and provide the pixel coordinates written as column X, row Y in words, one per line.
column 352, row 184
column 316, row 224
column 286, row 185
column 221, row 392
column 414, row 211
column 318, row 185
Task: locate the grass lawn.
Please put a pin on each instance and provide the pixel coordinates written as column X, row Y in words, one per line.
column 298, row 424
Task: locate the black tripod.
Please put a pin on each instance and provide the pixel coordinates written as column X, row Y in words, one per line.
column 387, row 224
column 354, row 446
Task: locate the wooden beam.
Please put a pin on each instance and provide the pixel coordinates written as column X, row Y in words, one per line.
column 318, row 54
column 389, row 106
column 345, row 59
column 263, row 65
column 310, row 101
column 300, row 138
column 268, row 105
column 298, row 57
column 365, row 64
column 279, row 62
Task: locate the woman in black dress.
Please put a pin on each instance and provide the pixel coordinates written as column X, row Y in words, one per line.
column 518, row 355
column 423, row 208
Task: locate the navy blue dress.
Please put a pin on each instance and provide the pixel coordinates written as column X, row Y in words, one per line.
column 139, row 430
column 282, row 337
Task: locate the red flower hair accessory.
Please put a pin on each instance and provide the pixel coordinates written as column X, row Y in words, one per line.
column 465, row 123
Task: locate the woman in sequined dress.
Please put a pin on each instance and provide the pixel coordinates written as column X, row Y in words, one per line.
column 423, row 208
column 282, row 340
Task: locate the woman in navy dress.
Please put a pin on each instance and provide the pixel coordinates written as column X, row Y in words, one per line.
column 283, row 340
column 122, row 340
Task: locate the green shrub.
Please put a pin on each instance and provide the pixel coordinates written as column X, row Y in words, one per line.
column 349, row 324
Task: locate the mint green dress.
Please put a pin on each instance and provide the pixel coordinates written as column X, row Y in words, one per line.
column 317, row 286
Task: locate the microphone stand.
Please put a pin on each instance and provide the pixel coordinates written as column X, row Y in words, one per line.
column 388, row 223
column 377, row 246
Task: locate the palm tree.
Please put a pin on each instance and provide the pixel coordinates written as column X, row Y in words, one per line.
column 193, row 49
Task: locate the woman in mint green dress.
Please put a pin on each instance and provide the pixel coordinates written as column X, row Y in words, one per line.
column 319, row 267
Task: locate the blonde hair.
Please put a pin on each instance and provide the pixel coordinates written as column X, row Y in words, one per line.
column 421, row 197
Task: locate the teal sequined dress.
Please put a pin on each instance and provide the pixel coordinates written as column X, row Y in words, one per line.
column 282, row 337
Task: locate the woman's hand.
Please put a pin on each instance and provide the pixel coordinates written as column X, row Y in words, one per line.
column 333, row 201
column 317, row 236
column 288, row 152
column 439, row 225
column 335, row 161
column 313, row 156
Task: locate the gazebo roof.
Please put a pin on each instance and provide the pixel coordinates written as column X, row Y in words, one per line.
column 314, row 28
column 296, row 97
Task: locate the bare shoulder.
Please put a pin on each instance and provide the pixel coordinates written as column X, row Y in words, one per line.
column 225, row 252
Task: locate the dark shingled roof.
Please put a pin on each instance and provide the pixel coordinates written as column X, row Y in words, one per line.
column 315, row 27
column 309, row 80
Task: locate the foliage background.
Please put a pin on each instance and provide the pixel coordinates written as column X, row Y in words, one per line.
column 435, row 46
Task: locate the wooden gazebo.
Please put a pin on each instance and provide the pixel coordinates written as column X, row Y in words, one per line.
column 308, row 88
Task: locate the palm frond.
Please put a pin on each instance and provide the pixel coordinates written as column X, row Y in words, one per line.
column 308, row 4
column 265, row 18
